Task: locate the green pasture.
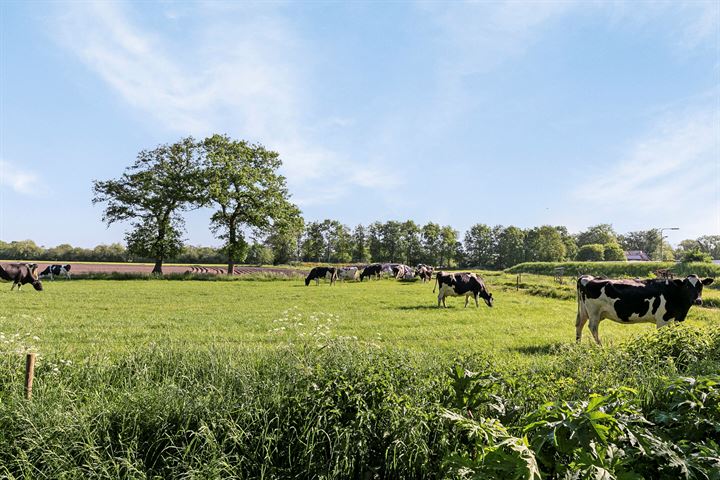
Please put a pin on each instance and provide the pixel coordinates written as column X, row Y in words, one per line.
column 79, row 318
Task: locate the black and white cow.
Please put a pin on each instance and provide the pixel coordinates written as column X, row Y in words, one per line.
column 331, row 273
column 461, row 284
column 348, row 273
column 403, row 272
column 52, row 270
column 425, row 272
column 20, row 274
column 390, row 269
column 373, row 270
column 657, row 301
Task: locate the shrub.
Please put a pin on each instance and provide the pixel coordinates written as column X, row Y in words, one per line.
column 614, row 253
column 695, row 256
column 591, row 253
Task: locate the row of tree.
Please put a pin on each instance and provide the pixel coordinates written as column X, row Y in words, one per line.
column 481, row 246
column 332, row 242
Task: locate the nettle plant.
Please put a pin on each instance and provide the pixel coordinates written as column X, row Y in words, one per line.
column 606, row 436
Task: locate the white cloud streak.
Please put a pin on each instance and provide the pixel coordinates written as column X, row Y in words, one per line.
column 670, row 175
column 18, row 180
column 243, row 75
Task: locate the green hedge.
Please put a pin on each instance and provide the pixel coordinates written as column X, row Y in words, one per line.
column 617, row 269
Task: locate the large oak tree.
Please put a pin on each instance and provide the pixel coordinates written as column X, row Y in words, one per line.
column 243, row 183
column 151, row 193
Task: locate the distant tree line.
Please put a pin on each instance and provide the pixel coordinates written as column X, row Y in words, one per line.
column 330, row 241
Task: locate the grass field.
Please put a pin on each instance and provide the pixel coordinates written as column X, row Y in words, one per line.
column 271, row 379
column 80, row 317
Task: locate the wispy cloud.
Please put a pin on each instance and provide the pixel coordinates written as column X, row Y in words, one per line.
column 669, row 175
column 231, row 71
column 243, row 74
column 703, row 24
column 480, row 35
column 18, row 180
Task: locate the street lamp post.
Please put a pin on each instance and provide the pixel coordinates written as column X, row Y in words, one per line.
column 661, row 239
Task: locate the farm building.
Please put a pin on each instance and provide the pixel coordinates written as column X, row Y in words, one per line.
column 636, row 256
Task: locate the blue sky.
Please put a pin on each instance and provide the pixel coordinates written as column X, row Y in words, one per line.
column 524, row 113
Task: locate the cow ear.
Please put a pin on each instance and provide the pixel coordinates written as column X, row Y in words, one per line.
column 678, row 282
column 707, row 281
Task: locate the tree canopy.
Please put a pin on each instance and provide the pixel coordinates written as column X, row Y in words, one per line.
column 153, row 190
column 250, row 196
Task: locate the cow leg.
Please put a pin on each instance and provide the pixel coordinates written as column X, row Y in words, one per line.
column 594, row 324
column 440, row 299
column 477, row 304
column 467, row 299
column 580, row 322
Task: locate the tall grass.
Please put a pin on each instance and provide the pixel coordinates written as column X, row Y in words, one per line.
column 329, row 409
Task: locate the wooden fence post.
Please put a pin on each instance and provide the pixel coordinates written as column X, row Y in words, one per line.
column 517, row 283
column 29, row 374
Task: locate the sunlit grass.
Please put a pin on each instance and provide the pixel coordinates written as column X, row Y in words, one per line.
column 81, row 317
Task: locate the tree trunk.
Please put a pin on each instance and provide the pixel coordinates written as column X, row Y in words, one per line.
column 232, row 240
column 160, row 254
column 157, row 269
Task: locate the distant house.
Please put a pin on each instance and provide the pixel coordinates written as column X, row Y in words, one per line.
column 716, row 262
column 636, row 256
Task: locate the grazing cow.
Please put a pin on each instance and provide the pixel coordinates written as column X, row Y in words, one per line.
column 348, row 273
column 331, row 273
column 52, row 270
column 656, row 301
column 390, row 269
column 20, row 274
column 374, row 270
column 424, row 272
column 461, row 284
column 403, row 272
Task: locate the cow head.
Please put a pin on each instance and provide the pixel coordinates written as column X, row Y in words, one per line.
column 694, row 286
column 489, row 300
column 37, row 285
column 486, row 296
column 307, row 280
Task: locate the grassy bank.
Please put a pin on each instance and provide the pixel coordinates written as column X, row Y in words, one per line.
column 341, row 410
column 617, row 269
